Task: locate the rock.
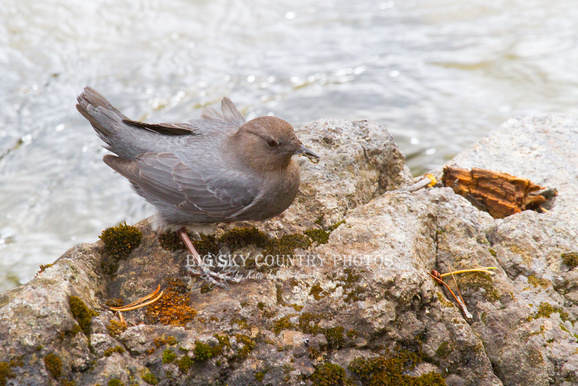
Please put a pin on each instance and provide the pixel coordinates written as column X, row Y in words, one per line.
column 357, row 303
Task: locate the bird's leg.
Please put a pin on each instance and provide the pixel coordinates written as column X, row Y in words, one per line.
column 213, row 278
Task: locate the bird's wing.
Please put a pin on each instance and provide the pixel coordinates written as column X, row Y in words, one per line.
column 163, row 128
column 202, row 192
column 229, row 113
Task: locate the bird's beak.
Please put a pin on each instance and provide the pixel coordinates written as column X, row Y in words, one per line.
column 308, row 153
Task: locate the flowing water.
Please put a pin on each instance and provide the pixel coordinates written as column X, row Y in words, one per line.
column 438, row 73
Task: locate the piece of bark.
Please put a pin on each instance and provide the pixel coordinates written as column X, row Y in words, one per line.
column 499, row 194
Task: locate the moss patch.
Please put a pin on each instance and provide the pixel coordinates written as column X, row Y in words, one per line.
column 570, row 259
column 164, row 339
column 334, row 337
column 169, row 356
column 53, row 364
column 287, row 244
column 317, row 292
column 260, row 375
column 282, row 324
column 309, row 323
column 115, row 328
column 444, row 350
column 203, row 351
column 173, row 307
column 115, row 382
column 391, row 369
column 545, row 310
column 6, row 370
column 185, row 364
column 474, row 281
column 321, row 235
column 149, row 378
column 119, row 241
column 71, row 333
column 330, row 374
column 242, row 237
column 81, row 313
column 43, row 267
column 109, row 351
column 349, row 281
column 536, row 281
column 248, row 346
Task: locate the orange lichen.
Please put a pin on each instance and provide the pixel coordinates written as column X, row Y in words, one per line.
column 173, row 307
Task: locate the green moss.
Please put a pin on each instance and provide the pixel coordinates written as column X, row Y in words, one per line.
column 71, row 333
column 282, row 324
column 115, row 382
column 203, row 351
column 279, row 294
column 248, row 346
column 473, row 281
column 241, row 323
column 260, row 375
column 287, row 244
column 5, row 373
column 6, row 370
column 319, row 236
column 115, row 328
column 238, row 238
column 185, row 364
column 81, row 313
column 223, row 343
column 536, row 281
column 493, row 252
column 233, row 239
column 53, row 364
column 171, row 241
column 207, row 245
column 169, row 356
column 44, row 267
column 545, row 310
column 330, row 374
column 334, row 337
column 317, row 292
column 309, row 323
column 391, row 369
column 165, row 339
column 350, row 280
column 120, row 240
column 570, row 259
column 352, row 334
column 444, row 350
column 109, row 351
column 149, row 378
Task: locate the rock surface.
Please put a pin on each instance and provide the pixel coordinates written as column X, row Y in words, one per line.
column 357, row 306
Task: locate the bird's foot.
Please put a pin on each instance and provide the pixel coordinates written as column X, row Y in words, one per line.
column 219, row 279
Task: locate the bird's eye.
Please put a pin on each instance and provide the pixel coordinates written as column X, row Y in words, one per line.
column 272, row 143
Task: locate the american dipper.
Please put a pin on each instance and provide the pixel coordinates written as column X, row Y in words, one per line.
column 216, row 169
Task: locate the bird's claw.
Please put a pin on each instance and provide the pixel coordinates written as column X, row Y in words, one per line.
column 219, row 279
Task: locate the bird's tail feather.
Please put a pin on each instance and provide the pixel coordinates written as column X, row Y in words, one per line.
column 104, row 118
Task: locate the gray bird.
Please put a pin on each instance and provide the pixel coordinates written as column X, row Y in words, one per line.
column 216, row 169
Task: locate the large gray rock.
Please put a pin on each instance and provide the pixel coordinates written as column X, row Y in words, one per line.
column 357, row 307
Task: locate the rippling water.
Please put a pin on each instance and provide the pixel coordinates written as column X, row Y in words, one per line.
column 439, row 74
